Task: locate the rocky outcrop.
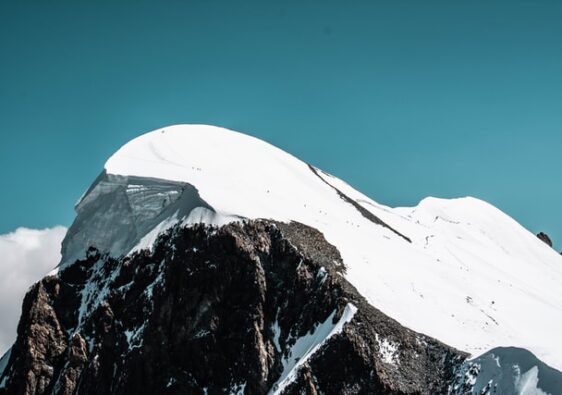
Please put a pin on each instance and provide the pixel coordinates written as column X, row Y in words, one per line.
column 545, row 238
column 42, row 341
column 249, row 308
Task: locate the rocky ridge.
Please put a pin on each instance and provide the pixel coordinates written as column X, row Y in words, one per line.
column 246, row 308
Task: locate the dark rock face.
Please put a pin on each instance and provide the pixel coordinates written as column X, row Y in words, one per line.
column 42, row 339
column 544, row 237
column 218, row 311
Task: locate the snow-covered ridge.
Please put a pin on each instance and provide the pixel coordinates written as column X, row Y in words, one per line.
column 305, row 347
column 471, row 276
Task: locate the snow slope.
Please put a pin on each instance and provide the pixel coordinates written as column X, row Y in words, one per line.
column 459, row 270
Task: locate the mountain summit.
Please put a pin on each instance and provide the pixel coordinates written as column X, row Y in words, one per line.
column 203, row 260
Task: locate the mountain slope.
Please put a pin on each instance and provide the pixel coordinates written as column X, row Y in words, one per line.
column 471, row 276
column 255, row 308
column 460, row 271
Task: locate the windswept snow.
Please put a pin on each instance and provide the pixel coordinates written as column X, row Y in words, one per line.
column 527, row 383
column 471, row 276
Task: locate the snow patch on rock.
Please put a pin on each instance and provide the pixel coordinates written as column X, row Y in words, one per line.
column 388, row 350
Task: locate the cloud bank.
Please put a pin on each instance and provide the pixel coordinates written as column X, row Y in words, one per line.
column 26, row 255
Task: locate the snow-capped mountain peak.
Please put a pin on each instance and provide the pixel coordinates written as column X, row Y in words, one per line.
column 459, row 270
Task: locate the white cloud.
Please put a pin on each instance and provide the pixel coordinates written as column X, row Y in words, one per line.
column 26, row 255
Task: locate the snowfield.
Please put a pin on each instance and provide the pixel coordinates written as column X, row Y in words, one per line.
column 459, row 270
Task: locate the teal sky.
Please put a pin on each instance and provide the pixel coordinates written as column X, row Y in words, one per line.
column 402, row 99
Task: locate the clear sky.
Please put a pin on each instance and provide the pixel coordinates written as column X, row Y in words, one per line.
column 402, row 99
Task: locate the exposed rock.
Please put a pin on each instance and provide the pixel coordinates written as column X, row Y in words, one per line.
column 544, row 237
column 76, row 360
column 362, row 210
column 218, row 310
column 38, row 354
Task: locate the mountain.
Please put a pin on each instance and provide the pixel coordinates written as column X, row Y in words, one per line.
column 202, row 260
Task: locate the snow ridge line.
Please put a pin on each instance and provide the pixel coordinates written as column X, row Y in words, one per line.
column 362, row 210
